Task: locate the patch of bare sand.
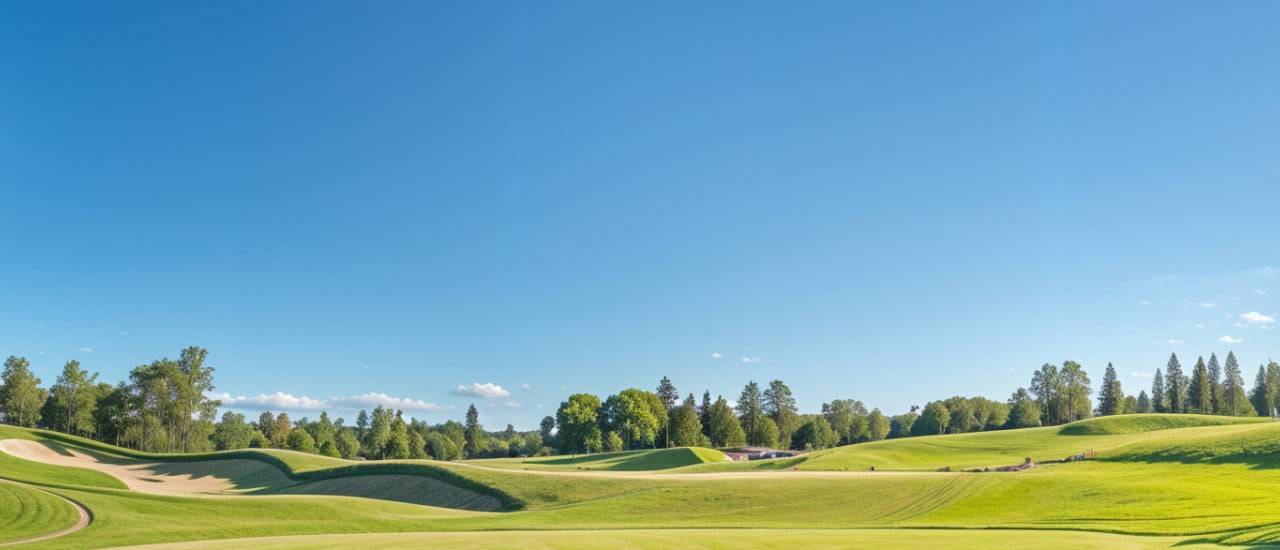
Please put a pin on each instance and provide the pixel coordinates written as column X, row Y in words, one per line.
column 240, row 476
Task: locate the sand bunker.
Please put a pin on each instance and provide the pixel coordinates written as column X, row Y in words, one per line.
column 246, row 476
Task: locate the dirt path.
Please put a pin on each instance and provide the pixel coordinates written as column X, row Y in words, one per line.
column 86, row 517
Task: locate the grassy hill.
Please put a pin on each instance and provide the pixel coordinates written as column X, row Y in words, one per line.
column 626, row 461
column 1157, row 480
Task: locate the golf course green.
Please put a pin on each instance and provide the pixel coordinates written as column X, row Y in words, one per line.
column 1149, row 481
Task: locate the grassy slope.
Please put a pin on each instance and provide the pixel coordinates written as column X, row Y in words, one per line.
column 27, row 512
column 1000, row 448
column 906, row 539
column 646, row 460
column 1126, row 491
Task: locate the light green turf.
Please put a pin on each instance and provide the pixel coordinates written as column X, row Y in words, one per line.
column 1003, row 448
column 1212, row 483
column 711, row 539
column 26, row 512
column 626, row 461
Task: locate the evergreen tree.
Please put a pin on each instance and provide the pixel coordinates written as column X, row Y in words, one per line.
column 1144, row 402
column 1199, row 394
column 20, row 395
column 474, row 432
column 704, row 413
column 1175, row 386
column 686, row 428
column 750, row 409
column 1259, row 397
column 669, row 396
column 1215, row 386
column 1110, row 396
column 726, row 430
column 1273, row 386
column 1158, row 402
column 1233, row 394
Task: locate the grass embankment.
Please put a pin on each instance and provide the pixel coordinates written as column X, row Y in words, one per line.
column 625, row 461
column 26, row 512
column 1216, row 494
column 906, row 539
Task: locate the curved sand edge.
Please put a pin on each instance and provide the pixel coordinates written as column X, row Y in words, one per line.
column 86, row 517
column 241, row 476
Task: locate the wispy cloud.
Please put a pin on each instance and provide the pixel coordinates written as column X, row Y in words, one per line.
column 286, row 401
column 1255, row 318
column 526, row 387
column 1160, row 278
column 1144, row 303
column 1259, row 292
column 1264, row 271
column 716, row 355
column 1173, row 341
column 486, row 390
column 750, row 359
column 511, row 404
column 87, row 350
column 1228, row 339
column 1140, row 374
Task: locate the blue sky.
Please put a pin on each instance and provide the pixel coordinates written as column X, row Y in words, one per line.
column 892, row 202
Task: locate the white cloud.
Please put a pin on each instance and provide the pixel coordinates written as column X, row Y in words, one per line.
column 1144, row 302
column 286, row 401
column 511, row 404
column 1160, row 278
column 716, row 355
column 486, row 390
column 1259, row 292
column 750, row 359
column 1254, row 317
column 526, row 387
column 1199, row 325
column 1228, row 339
column 1173, row 341
column 1140, row 375
column 87, row 350
column 1264, row 271
column 124, row 333
column 1207, row 304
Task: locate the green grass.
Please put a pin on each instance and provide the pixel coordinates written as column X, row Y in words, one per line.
column 1138, row 423
column 1192, row 478
column 906, row 539
column 27, row 512
column 626, row 461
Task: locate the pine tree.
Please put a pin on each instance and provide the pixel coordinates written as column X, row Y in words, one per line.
column 704, row 413
column 1144, row 402
column 1175, row 388
column 1259, row 396
column 1233, row 396
column 780, row 405
column 750, row 409
column 1215, row 385
column 1158, row 402
column 1110, row 396
column 473, row 433
column 1273, row 387
column 669, row 396
column 1199, row 395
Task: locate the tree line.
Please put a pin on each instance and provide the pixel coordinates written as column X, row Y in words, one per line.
column 164, row 407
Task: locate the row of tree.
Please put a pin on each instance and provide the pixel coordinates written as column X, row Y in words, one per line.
column 163, row 407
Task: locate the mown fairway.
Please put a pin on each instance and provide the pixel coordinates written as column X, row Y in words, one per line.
column 1154, row 481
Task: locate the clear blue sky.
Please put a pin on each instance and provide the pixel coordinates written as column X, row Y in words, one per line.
column 893, row 202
